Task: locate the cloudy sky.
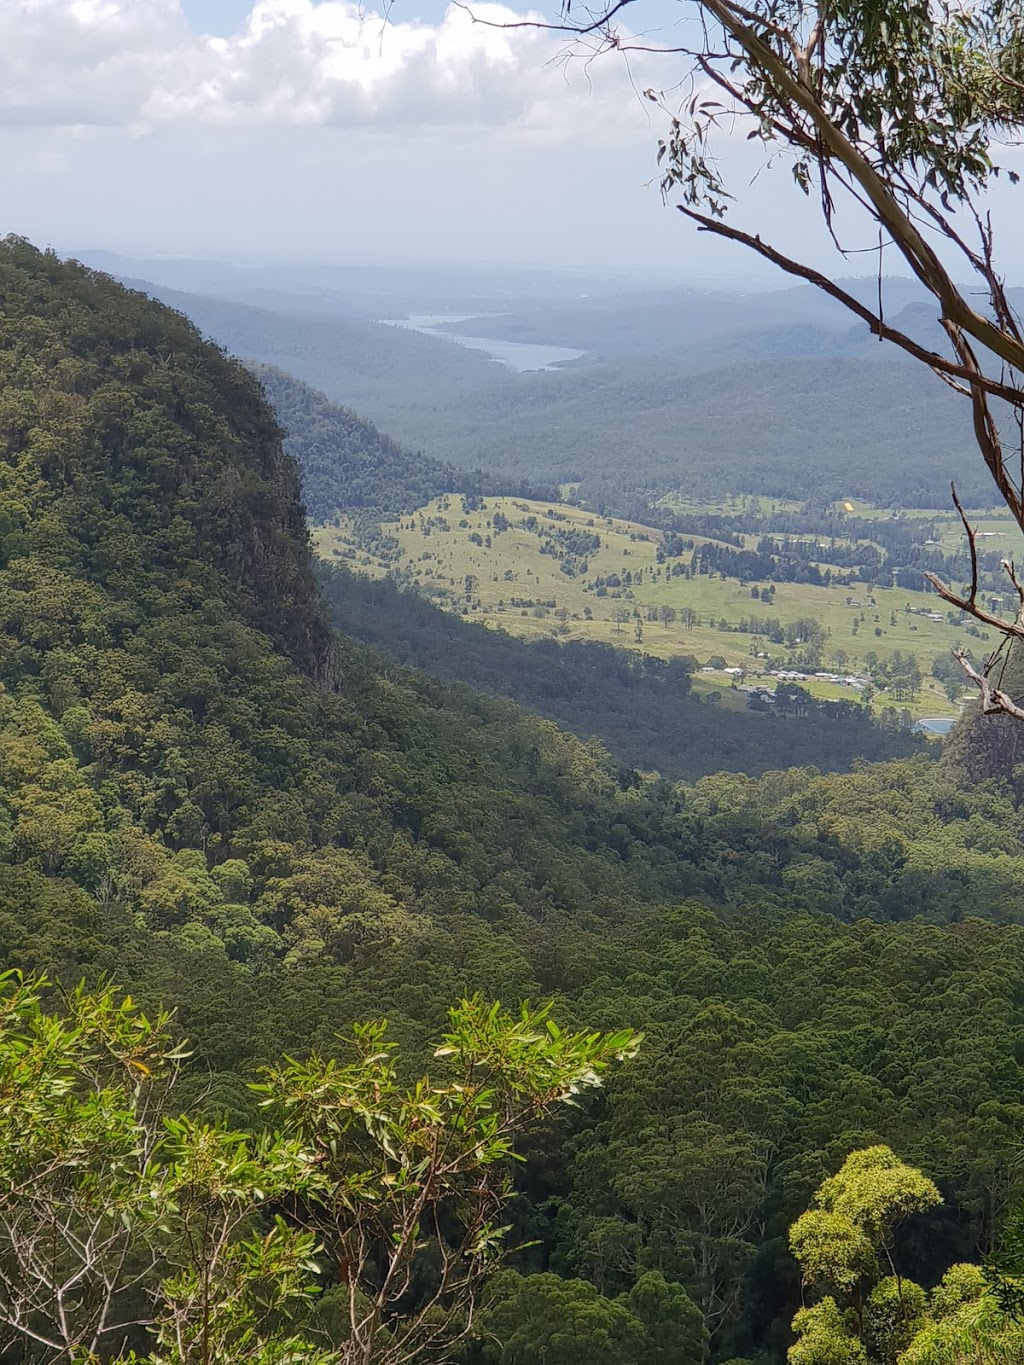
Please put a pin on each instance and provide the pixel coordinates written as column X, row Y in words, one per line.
column 295, row 130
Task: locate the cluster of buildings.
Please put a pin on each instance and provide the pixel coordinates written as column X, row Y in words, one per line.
column 856, row 681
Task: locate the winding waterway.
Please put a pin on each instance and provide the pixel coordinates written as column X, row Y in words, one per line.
column 521, row 356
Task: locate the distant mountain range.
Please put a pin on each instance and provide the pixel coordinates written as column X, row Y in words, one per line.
column 358, row 291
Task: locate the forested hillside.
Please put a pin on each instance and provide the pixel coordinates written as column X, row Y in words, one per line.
column 230, row 811
column 354, row 361
column 347, row 465
column 792, row 428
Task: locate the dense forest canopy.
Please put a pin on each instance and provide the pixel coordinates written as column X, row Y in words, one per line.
column 213, row 800
column 753, row 427
column 347, row 465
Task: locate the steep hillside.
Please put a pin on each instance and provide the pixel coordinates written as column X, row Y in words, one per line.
column 348, row 465
column 171, row 683
column 143, row 468
column 274, row 830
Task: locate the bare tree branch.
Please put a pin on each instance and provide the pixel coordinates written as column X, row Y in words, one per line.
column 941, row 364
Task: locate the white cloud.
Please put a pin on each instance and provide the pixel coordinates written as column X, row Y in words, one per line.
column 131, row 63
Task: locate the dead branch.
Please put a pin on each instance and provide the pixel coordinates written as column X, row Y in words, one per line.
column 942, row 365
column 994, row 701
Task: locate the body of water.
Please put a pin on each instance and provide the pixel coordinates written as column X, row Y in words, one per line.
column 521, row 356
column 936, row 725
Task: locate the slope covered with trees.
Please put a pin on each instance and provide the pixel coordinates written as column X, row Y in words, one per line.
column 746, row 419
column 349, row 466
column 353, row 360
column 211, row 798
column 636, row 704
column 802, row 428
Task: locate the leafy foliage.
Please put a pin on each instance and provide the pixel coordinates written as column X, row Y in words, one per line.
column 109, row 1202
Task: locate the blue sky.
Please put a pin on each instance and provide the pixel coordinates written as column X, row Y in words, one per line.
column 216, row 16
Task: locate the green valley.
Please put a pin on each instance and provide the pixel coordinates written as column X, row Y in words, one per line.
column 512, row 707
column 722, row 396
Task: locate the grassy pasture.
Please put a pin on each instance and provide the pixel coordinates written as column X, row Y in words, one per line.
column 509, row 580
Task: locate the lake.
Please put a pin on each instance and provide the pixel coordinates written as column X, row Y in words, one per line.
column 521, row 356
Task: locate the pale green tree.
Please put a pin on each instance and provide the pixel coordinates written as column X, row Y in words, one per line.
column 872, row 1319
column 967, row 1325
column 841, row 1243
column 823, row 1337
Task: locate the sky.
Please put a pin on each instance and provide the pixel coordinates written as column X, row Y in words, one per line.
column 290, row 130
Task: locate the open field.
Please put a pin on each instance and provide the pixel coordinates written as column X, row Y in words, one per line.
column 997, row 530
column 514, row 579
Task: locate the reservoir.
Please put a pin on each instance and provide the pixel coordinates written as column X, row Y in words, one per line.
column 521, row 356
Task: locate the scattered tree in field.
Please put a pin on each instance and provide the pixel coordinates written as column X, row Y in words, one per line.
column 620, row 615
